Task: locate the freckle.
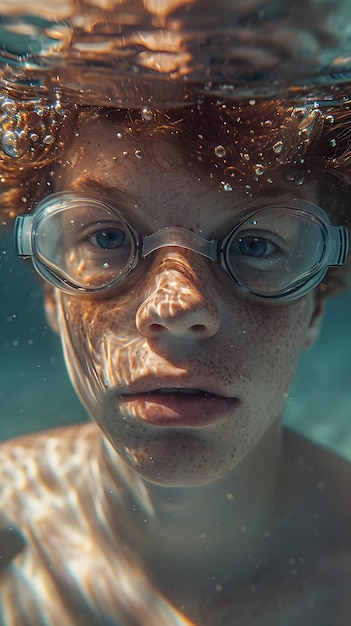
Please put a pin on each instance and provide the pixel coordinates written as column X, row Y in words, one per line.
column 321, row 485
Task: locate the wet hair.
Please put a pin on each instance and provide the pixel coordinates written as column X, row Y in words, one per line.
column 237, row 144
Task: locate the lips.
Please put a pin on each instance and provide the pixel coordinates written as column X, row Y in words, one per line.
column 181, row 407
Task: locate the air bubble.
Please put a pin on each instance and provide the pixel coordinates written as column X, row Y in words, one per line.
column 278, row 146
column 333, row 143
column 299, row 112
column 48, row 139
column 329, row 119
column 226, row 186
column 147, row 114
column 258, row 169
column 105, row 266
column 34, row 136
column 9, row 107
column 10, row 144
column 220, row 151
column 59, row 108
column 138, row 153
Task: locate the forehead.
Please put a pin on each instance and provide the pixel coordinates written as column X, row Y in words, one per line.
column 108, row 149
column 153, row 173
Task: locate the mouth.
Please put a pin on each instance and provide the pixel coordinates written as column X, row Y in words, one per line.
column 186, row 391
column 181, row 407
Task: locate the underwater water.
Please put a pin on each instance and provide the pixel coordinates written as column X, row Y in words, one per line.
column 35, row 393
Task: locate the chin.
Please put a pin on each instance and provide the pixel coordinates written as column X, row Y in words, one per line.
column 177, row 480
column 180, row 467
column 172, row 457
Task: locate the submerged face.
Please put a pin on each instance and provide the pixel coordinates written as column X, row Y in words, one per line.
column 181, row 372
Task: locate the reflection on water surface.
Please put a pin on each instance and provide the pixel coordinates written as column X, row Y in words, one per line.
column 162, row 52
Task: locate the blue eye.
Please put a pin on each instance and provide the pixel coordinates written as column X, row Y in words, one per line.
column 110, row 238
column 255, row 246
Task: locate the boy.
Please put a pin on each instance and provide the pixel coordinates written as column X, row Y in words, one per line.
column 184, row 253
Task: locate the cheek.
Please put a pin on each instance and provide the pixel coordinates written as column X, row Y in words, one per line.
column 97, row 339
column 274, row 337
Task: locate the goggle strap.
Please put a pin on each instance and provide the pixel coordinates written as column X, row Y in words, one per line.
column 23, row 235
column 339, row 245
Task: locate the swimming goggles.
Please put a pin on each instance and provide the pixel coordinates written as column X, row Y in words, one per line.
column 85, row 245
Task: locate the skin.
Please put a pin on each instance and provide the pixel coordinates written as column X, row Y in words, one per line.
column 207, row 519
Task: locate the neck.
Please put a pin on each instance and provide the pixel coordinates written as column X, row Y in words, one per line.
column 209, row 526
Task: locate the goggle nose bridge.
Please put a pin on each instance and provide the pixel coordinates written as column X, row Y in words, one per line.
column 178, row 237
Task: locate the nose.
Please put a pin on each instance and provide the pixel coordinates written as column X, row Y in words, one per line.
column 179, row 299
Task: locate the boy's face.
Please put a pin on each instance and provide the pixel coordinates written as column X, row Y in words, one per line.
column 177, row 323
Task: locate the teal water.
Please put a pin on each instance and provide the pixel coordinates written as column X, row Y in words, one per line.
column 35, row 392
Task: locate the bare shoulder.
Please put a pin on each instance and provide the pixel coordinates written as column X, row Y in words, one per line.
column 40, row 476
column 320, row 481
column 321, row 470
column 39, row 466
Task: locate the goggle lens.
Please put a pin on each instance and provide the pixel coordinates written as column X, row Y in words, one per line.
column 86, row 247
column 275, row 250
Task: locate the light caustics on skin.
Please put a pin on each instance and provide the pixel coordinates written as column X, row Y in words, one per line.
column 119, row 357
column 44, row 470
column 175, row 301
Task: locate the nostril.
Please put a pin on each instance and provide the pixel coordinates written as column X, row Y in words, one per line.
column 157, row 328
column 198, row 328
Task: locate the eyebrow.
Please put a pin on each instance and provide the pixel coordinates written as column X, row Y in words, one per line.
column 85, row 183
column 91, row 184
